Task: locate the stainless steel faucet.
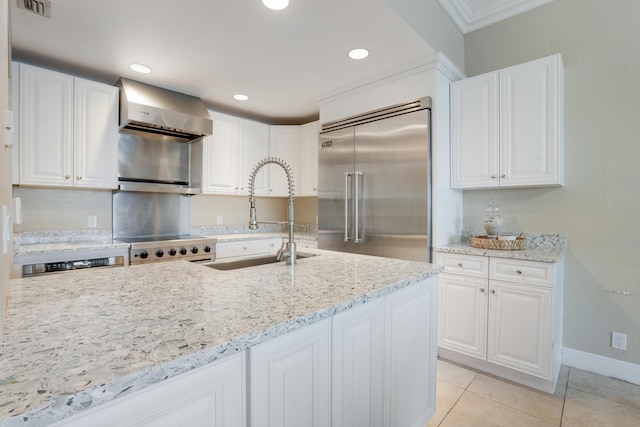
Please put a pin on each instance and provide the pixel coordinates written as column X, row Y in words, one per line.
column 288, row 250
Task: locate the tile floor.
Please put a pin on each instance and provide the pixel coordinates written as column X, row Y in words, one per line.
column 469, row 398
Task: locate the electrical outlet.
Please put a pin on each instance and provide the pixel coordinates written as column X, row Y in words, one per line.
column 619, row 340
column 92, row 221
column 219, row 219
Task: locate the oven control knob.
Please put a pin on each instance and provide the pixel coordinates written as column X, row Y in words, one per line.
column 183, row 251
column 172, row 252
column 194, row 250
column 207, row 249
column 159, row 253
column 144, row 254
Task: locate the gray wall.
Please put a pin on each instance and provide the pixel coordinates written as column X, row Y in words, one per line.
column 599, row 206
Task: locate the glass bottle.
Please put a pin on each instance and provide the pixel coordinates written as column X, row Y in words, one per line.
column 492, row 219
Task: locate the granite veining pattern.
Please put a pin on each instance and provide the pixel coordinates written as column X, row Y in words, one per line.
column 540, row 247
column 45, row 242
column 78, row 339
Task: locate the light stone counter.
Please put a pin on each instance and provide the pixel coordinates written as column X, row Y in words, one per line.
column 540, row 247
column 75, row 340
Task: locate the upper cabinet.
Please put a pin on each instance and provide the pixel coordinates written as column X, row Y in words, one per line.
column 308, row 160
column 507, row 127
column 68, row 130
column 284, row 143
column 230, row 154
column 238, row 145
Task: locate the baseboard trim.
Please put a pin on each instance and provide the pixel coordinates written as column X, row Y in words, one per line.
column 601, row 365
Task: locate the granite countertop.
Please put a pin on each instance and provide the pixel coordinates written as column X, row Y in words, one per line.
column 540, row 247
column 65, row 247
column 75, row 340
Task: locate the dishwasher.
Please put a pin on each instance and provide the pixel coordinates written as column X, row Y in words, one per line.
column 37, row 269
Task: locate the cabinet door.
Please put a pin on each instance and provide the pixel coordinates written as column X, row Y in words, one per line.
column 308, row 160
column 211, row 396
column 254, row 148
column 95, row 145
column 474, row 132
column 530, row 123
column 410, row 355
column 284, row 143
column 46, row 127
column 15, row 107
column 520, row 327
column 221, row 156
column 291, row 379
column 462, row 314
column 357, row 366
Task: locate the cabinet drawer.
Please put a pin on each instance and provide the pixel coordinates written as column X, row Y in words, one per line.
column 529, row 272
column 242, row 248
column 468, row 265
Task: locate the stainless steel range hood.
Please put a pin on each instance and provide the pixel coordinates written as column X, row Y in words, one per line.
column 156, row 110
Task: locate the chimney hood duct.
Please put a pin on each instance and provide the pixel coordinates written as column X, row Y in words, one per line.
column 153, row 109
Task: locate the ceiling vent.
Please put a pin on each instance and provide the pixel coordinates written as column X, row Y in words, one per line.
column 39, row 7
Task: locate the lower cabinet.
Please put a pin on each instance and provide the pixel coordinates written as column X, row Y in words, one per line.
column 290, row 379
column 502, row 316
column 372, row 365
column 211, row 396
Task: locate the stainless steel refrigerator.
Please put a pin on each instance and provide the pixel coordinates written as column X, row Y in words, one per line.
column 375, row 183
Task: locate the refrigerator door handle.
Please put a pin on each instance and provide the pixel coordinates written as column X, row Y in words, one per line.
column 346, row 206
column 357, row 239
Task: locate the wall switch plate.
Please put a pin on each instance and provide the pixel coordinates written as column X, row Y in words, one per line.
column 92, row 221
column 619, row 340
column 219, row 220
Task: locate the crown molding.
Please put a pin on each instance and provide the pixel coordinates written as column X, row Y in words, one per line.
column 471, row 15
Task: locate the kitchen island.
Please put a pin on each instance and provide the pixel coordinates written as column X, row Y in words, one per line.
column 77, row 340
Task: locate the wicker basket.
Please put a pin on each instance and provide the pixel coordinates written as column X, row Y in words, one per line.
column 484, row 242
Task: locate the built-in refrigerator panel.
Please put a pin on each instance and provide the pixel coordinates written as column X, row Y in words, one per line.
column 374, row 183
column 336, row 162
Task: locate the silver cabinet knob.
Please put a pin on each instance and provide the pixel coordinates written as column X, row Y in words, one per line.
column 519, row 271
column 503, row 176
column 78, row 178
column 67, row 176
column 460, row 264
column 482, row 290
column 493, row 177
column 493, row 291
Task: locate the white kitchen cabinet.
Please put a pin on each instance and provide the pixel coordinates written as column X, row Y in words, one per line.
column 290, row 379
column 230, row 154
column 255, row 147
column 358, row 366
column 308, row 160
column 221, row 156
column 68, row 130
column 507, row 127
column 284, row 143
column 503, row 316
column 210, row 396
column 238, row 249
column 410, row 355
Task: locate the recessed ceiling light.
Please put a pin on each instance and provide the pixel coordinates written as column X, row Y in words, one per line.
column 358, row 53
column 240, row 97
column 139, row 68
column 276, row 4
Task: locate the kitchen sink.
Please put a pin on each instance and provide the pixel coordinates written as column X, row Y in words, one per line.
column 249, row 262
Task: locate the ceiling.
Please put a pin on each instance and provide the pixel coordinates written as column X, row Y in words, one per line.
column 214, row 49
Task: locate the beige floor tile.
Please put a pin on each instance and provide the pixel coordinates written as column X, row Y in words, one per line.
column 454, row 374
column 479, row 411
column 446, row 396
column 537, row 403
column 617, row 391
column 563, row 377
column 584, row 409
